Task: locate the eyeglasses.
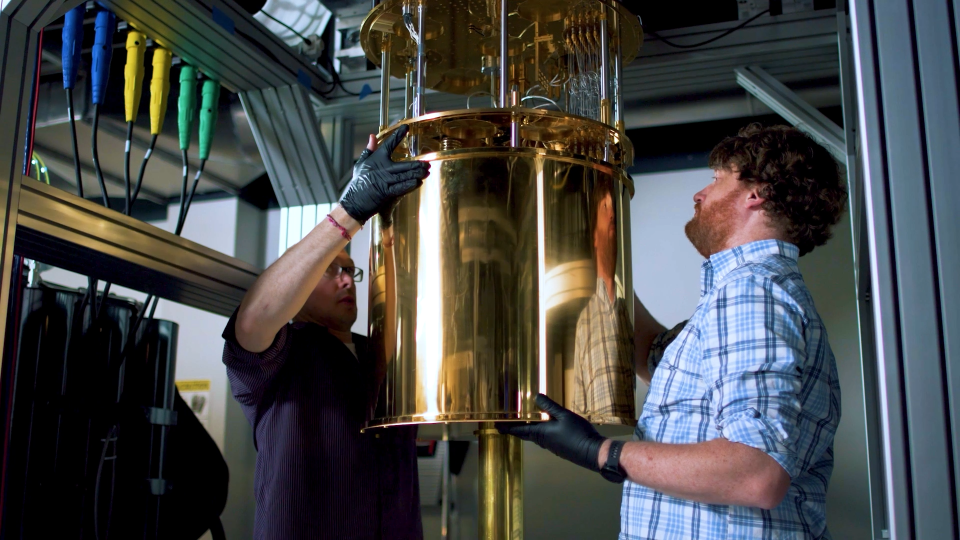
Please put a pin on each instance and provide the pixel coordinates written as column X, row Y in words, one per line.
column 334, row 271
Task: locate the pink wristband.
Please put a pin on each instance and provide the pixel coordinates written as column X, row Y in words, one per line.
column 343, row 232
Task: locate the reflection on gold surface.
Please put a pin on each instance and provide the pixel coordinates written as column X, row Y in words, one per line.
column 603, row 371
column 494, row 263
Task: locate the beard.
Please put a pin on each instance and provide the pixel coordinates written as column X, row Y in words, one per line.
column 712, row 226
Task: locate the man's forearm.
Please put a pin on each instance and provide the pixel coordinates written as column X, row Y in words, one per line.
column 283, row 288
column 713, row 472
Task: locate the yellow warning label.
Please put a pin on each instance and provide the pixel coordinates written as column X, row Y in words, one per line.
column 194, row 385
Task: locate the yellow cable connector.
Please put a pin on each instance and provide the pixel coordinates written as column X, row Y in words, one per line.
column 159, row 89
column 133, row 73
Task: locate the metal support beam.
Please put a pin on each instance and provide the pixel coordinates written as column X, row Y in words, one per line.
column 909, row 129
column 64, row 230
column 20, row 23
column 338, row 135
column 291, row 146
column 801, row 115
column 862, row 280
column 224, row 42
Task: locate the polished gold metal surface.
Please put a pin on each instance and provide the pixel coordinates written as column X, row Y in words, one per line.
column 61, row 229
column 577, row 138
column 507, row 273
column 495, row 260
column 501, row 485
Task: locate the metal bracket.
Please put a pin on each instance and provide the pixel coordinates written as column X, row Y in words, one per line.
column 161, row 417
column 799, row 113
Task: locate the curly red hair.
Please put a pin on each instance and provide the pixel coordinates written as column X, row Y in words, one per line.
column 803, row 190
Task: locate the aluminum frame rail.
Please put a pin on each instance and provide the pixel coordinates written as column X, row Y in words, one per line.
column 909, row 128
column 291, row 145
column 20, row 24
column 224, row 42
column 799, row 113
column 58, row 228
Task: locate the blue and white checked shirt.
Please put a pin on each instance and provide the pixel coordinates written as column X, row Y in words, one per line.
column 752, row 366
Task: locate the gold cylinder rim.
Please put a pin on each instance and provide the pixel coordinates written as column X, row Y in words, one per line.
column 538, row 114
column 452, row 418
column 464, row 153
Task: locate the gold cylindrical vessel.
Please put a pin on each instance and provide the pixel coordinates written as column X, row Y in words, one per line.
column 510, row 275
column 507, row 274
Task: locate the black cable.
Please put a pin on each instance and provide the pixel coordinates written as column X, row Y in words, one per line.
column 143, row 169
column 96, row 157
column 336, row 78
column 711, row 40
column 76, row 149
column 126, row 169
column 78, row 178
column 285, row 25
column 185, row 205
column 183, row 189
column 106, row 291
column 156, row 300
column 96, row 487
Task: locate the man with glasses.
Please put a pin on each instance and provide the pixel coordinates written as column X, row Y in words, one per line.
column 307, row 384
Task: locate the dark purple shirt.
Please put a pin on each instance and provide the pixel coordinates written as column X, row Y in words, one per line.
column 317, row 476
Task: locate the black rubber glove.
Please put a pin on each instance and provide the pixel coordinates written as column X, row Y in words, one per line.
column 378, row 181
column 566, row 434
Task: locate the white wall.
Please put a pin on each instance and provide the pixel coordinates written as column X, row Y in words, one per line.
column 666, row 272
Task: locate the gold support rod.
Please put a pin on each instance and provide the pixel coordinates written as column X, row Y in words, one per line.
column 385, row 83
column 501, row 485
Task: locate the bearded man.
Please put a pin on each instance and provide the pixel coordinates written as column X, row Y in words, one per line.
column 735, row 439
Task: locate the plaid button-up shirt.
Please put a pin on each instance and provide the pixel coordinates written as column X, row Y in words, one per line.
column 752, row 366
column 603, row 360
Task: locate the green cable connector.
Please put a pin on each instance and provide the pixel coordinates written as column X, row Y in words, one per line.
column 187, row 104
column 208, row 116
